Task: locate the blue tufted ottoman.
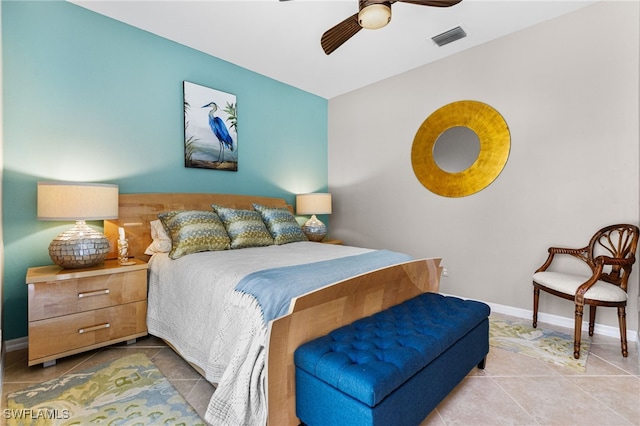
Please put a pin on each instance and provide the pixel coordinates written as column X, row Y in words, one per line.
column 394, row 367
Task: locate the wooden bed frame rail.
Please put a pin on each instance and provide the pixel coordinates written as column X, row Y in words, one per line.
column 317, row 313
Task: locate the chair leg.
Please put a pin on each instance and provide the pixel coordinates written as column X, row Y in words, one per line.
column 536, row 299
column 592, row 318
column 623, row 330
column 577, row 333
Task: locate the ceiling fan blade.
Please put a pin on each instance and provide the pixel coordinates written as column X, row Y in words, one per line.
column 337, row 35
column 434, row 3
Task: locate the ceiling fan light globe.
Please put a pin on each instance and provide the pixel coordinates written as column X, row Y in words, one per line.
column 374, row 16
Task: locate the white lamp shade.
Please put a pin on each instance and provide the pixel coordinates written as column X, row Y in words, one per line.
column 315, row 203
column 80, row 246
column 77, row 201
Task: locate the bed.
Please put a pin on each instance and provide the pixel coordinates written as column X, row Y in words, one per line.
column 251, row 361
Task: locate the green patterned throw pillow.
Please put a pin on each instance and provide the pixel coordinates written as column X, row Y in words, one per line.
column 193, row 231
column 245, row 227
column 281, row 224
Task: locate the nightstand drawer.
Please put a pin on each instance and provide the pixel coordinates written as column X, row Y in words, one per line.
column 56, row 298
column 67, row 333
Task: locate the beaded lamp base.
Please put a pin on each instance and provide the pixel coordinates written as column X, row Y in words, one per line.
column 79, row 247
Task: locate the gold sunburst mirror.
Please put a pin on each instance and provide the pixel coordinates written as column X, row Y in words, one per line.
column 460, row 148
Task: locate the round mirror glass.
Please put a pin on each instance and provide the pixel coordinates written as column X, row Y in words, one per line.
column 456, row 149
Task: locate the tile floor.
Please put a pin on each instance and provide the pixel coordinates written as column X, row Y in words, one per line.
column 513, row 389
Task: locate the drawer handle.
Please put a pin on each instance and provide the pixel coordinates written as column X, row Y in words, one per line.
column 94, row 328
column 93, row 293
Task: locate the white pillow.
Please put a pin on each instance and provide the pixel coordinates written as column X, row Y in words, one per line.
column 161, row 241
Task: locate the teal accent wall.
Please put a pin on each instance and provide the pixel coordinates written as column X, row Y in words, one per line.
column 88, row 98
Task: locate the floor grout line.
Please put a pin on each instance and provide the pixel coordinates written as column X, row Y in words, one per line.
column 533, row 419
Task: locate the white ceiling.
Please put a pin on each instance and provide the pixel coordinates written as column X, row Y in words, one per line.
column 281, row 39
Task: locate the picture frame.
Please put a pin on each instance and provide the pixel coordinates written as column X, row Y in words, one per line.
column 210, row 128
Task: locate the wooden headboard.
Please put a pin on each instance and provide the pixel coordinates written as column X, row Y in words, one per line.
column 136, row 211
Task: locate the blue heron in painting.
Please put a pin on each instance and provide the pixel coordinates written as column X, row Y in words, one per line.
column 219, row 130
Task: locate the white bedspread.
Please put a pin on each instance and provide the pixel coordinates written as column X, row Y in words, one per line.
column 192, row 304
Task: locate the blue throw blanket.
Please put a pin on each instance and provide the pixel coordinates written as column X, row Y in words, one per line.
column 274, row 288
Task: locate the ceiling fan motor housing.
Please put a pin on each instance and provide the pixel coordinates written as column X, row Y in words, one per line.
column 374, row 14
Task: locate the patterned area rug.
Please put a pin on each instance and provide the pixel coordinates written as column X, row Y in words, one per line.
column 128, row 391
column 547, row 345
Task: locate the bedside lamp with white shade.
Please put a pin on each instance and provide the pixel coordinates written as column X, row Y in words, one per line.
column 81, row 246
column 313, row 204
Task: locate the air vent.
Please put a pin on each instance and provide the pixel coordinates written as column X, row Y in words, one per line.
column 449, row 36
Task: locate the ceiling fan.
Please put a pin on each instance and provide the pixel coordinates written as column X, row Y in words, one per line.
column 373, row 14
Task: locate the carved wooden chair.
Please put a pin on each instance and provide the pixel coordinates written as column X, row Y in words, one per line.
column 610, row 255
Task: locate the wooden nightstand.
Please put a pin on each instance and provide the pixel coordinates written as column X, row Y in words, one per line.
column 331, row 241
column 75, row 310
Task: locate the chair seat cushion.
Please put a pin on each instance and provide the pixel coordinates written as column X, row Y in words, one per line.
column 569, row 283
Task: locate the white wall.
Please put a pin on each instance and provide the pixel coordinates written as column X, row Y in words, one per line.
column 568, row 89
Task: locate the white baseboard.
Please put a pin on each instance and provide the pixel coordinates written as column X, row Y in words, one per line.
column 16, row 344
column 603, row 330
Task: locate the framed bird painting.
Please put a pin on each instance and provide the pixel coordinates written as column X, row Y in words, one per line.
column 210, row 128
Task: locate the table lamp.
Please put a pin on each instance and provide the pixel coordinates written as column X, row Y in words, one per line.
column 313, row 204
column 81, row 246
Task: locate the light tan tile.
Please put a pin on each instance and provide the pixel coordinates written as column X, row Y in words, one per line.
column 149, row 341
column 502, row 362
column 612, row 355
column 481, row 401
column 601, row 339
column 15, row 357
column 558, row 401
column 173, row 366
column 21, row 372
column 200, row 396
column 620, row 394
column 596, row 366
column 433, row 419
column 113, row 353
column 184, row 387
